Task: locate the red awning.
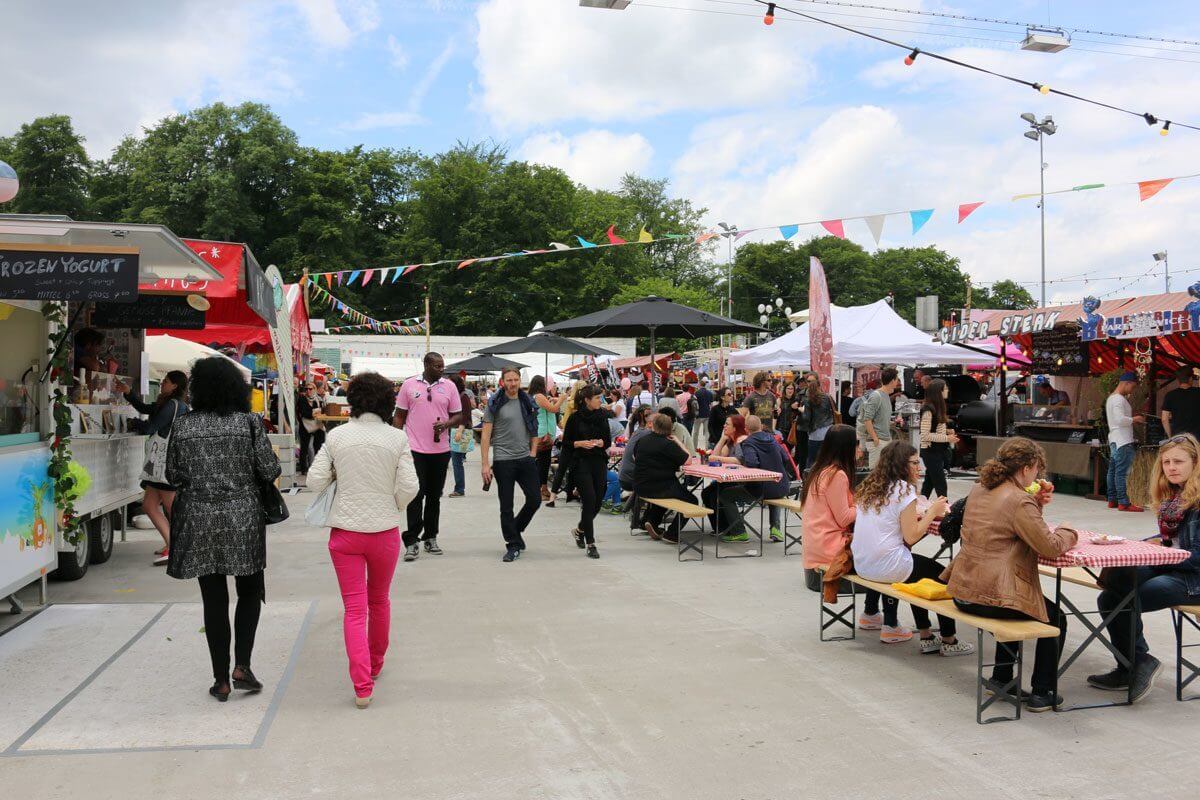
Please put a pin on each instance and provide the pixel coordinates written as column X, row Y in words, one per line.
column 641, row 362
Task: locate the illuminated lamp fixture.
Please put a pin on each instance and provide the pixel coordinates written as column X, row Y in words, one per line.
column 911, row 57
column 769, row 17
column 1166, row 128
column 1041, row 87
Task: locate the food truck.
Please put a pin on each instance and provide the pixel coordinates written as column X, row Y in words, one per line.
column 70, row 460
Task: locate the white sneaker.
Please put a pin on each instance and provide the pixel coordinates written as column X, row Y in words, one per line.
column 362, row 702
column 931, row 645
column 870, row 622
column 959, row 648
column 894, row 635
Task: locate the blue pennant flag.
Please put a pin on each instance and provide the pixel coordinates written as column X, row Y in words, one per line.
column 584, row 242
column 788, row 231
column 919, row 218
column 396, row 273
column 353, row 275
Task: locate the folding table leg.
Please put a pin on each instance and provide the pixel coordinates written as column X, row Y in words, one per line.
column 1193, row 670
column 789, row 540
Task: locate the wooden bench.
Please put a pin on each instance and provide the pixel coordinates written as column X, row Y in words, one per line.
column 689, row 538
column 788, row 504
column 1002, row 630
column 1179, row 615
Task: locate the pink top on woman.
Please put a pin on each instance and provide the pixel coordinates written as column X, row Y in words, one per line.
column 827, row 517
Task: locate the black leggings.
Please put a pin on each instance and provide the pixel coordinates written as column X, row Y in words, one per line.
column 214, row 591
column 937, row 461
column 923, row 567
column 1045, row 659
column 543, row 462
column 591, row 481
column 561, row 475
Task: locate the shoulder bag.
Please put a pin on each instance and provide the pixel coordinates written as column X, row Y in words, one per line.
column 155, row 468
column 275, row 510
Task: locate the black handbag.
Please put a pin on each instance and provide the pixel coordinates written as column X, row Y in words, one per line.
column 274, row 507
column 950, row 526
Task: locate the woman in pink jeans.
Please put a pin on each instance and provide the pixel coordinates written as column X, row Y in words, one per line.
column 376, row 480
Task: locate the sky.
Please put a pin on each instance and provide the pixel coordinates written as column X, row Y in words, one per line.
column 762, row 126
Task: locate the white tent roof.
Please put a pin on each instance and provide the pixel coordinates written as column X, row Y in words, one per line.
column 167, row 353
column 873, row 334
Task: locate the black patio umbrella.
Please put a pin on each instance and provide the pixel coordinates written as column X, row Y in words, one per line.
column 478, row 365
column 547, row 343
column 653, row 316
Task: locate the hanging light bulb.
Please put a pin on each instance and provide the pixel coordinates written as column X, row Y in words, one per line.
column 769, row 17
column 1041, row 87
column 911, row 57
column 1166, row 128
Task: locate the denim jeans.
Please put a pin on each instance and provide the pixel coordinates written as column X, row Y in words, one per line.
column 457, row 462
column 612, row 495
column 1119, row 462
column 1157, row 589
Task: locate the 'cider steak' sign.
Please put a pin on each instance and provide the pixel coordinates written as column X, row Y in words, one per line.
column 46, row 272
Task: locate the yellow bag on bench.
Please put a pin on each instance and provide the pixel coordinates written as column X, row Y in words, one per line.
column 926, row 588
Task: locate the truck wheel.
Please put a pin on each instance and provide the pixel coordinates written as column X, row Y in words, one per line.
column 73, row 564
column 100, row 532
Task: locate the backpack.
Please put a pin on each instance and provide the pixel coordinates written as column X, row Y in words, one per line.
column 950, row 527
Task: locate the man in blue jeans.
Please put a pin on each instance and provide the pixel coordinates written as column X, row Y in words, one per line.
column 1121, row 446
column 510, row 423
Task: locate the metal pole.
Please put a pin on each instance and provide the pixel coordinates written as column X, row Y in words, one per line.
column 1167, row 271
column 429, row 322
column 1042, row 172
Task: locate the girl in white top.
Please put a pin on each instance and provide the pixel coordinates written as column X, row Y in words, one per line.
column 886, row 527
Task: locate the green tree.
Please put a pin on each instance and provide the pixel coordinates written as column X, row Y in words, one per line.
column 1003, row 294
column 52, row 166
column 912, row 272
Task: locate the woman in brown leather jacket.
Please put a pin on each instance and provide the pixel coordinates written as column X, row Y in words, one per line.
column 995, row 574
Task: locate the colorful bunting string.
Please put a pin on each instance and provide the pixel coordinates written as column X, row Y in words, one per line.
column 361, row 320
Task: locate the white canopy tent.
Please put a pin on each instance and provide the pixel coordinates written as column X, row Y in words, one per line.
column 873, row 334
column 166, row 353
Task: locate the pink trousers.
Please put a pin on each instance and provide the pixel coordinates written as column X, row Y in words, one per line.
column 365, row 563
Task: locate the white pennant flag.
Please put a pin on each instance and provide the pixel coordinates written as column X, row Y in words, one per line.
column 875, row 225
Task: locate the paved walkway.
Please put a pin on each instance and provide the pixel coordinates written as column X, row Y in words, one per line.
column 552, row 677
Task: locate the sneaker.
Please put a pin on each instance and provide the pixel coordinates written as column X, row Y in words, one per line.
column 894, row 635
column 744, row 536
column 1112, row 503
column 431, row 546
column 776, row 534
column 1043, row 701
column 411, row 552
column 654, row 534
column 606, row 504
column 1130, row 507
column 1115, row 681
column 162, row 558
column 870, row 622
column 931, row 645
column 362, row 702
column 991, row 687
column 592, row 552
column 616, row 510
column 1144, row 673
column 162, row 551
column 456, row 494
column 578, row 534
column 510, row 555
column 959, row 648
column 520, row 544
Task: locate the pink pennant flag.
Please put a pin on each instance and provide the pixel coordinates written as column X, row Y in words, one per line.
column 740, row 234
column 1147, row 189
column 339, row 277
column 612, row 236
column 468, row 262
column 367, row 276
column 965, row 210
column 412, row 268
column 704, row 237
column 835, row 227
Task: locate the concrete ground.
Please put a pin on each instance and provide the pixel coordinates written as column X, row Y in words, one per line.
column 553, row 677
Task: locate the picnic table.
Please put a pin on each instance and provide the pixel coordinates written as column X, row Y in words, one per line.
column 1092, row 557
column 728, row 475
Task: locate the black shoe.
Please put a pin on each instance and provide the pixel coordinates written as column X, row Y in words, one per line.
column 244, row 680
column 991, row 686
column 1144, row 673
column 431, row 546
column 1115, row 681
column 510, row 555
column 1043, row 701
column 216, row 690
column 592, row 552
column 520, row 544
column 578, row 534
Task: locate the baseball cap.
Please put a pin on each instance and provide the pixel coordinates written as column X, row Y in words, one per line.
column 1041, row 380
column 1129, row 376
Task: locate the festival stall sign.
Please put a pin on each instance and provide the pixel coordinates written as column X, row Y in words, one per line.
column 166, row 312
column 68, row 272
column 1143, row 318
column 1059, row 352
column 260, row 293
column 1011, row 324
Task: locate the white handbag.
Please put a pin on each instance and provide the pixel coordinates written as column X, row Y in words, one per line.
column 318, row 511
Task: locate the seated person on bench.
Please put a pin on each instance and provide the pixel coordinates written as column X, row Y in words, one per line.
column 885, row 529
column 995, row 573
column 728, row 450
column 660, row 455
column 761, row 451
column 1175, row 489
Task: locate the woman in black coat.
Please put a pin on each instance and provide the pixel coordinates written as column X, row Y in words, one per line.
column 588, row 437
column 217, row 456
column 722, row 407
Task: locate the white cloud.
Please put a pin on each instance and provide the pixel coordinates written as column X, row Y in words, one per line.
column 384, row 119
column 335, row 24
column 412, row 115
column 595, row 158
column 546, row 61
column 398, row 53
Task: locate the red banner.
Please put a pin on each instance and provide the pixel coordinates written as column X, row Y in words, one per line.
column 820, row 326
column 224, row 256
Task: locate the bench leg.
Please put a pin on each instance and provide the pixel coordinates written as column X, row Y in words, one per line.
column 1008, row 693
column 831, row 615
column 1193, row 670
column 691, row 539
column 789, row 540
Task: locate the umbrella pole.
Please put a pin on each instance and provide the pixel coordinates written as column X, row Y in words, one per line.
column 653, row 370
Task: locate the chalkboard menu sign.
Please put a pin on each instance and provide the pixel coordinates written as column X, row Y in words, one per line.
column 259, row 294
column 1059, row 351
column 150, row 311
column 52, row 272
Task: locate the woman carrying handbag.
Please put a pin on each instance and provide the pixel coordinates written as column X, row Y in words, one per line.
column 159, row 494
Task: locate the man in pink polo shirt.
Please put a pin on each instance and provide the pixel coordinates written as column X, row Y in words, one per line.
column 427, row 406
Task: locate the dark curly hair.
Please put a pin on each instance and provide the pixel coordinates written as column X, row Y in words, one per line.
column 371, row 393
column 217, row 386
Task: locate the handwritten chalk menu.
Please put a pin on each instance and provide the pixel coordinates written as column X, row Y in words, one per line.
column 54, row 272
column 1059, row 352
column 150, row 311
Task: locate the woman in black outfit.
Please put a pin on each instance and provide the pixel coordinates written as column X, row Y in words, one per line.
column 722, row 407
column 847, row 400
column 217, row 456
column 159, row 495
column 587, row 436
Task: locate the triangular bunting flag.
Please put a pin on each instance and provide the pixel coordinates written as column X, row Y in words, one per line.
column 339, row 277
column 875, row 226
column 559, row 246
column 397, row 272
column 788, row 231
column 468, row 262
column 1147, row 189
column 329, row 279
column 584, row 242
column 835, row 227
column 612, row 236
column 919, row 218
column 353, row 275
column 411, row 269
column 741, row 234
column 965, row 210
column 367, row 276
column 644, row 235
column 675, row 236
column 704, row 237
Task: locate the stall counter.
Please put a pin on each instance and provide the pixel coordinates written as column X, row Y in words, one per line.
column 1062, row 458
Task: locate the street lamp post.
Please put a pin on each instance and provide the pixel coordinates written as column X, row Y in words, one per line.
column 1166, row 270
column 766, row 312
column 1037, row 131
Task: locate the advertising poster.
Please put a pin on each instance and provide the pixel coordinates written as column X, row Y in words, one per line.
column 27, row 516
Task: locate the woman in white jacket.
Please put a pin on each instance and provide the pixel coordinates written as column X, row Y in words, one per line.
column 376, row 480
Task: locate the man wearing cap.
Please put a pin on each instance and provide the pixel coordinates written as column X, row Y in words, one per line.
column 1121, row 446
column 1181, row 407
column 1047, row 395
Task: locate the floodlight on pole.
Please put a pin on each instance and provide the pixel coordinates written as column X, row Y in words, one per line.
column 614, row 5
column 1038, row 132
column 1162, row 256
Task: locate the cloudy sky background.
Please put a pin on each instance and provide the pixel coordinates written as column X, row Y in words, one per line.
column 762, row 126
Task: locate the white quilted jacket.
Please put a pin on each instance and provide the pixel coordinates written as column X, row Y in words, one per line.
column 374, row 470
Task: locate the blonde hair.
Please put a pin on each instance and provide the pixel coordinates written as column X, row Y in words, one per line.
column 1011, row 457
column 1161, row 489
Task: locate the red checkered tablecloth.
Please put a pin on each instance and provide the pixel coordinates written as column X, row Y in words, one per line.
column 724, row 474
column 615, row 452
column 1129, row 553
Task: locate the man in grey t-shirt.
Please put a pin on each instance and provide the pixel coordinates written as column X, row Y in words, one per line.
column 510, row 423
column 875, row 416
